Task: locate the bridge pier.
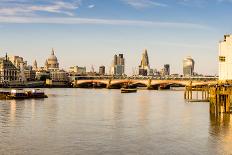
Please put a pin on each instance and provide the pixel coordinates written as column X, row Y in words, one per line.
column 75, row 83
column 108, row 85
column 149, row 86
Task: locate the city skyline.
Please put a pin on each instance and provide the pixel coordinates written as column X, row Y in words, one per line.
column 117, row 66
column 115, row 77
column 82, row 33
column 109, row 67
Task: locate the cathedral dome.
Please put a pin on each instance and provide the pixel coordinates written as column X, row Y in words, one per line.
column 52, row 57
column 52, row 61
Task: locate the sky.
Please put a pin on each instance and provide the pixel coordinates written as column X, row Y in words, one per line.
column 90, row 32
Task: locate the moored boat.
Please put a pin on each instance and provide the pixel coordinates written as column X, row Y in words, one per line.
column 22, row 94
column 17, row 94
column 37, row 93
column 128, row 90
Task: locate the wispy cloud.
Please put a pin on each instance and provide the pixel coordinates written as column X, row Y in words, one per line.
column 91, row 6
column 28, row 7
column 225, row 1
column 201, row 3
column 140, row 4
column 73, row 20
column 195, row 3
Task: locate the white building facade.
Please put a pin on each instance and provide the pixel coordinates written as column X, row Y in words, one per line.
column 225, row 58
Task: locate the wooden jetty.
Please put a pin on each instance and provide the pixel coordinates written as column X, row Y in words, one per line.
column 196, row 93
column 219, row 96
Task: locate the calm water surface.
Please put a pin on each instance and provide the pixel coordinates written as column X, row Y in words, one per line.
column 101, row 121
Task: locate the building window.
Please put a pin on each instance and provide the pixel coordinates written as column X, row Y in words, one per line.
column 222, row 58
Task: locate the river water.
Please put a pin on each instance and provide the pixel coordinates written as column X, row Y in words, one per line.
column 101, row 121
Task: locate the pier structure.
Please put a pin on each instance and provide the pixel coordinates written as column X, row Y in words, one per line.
column 220, row 98
column 218, row 95
column 197, row 93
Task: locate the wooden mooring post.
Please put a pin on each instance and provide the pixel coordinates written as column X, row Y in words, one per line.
column 196, row 93
column 218, row 96
column 220, row 99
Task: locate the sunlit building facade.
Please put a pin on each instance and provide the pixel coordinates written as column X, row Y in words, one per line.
column 188, row 67
column 52, row 62
column 144, row 67
column 225, row 58
column 118, row 65
column 77, row 70
column 8, row 71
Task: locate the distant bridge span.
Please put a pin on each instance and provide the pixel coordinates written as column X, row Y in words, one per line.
column 146, row 82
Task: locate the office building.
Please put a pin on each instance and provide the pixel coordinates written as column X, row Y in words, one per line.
column 166, row 69
column 118, row 65
column 102, row 70
column 144, row 67
column 188, row 67
column 35, row 66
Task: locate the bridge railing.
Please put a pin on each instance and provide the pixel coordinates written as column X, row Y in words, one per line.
column 197, row 78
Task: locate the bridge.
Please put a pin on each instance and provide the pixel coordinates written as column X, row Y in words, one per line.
column 149, row 83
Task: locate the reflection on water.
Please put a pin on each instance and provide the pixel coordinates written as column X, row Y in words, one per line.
column 221, row 132
column 12, row 110
column 91, row 121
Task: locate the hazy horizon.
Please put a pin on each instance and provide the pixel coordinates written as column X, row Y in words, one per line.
column 90, row 32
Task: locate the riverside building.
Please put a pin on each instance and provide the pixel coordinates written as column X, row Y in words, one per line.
column 225, row 58
column 8, row 72
column 76, row 70
column 25, row 71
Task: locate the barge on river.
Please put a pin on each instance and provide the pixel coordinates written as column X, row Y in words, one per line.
column 22, row 94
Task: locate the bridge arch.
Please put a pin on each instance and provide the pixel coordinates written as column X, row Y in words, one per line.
column 118, row 83
column 169, row 82
column 139, row 83
column 91, row 83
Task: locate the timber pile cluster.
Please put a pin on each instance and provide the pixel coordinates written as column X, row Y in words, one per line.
column 219, row 96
